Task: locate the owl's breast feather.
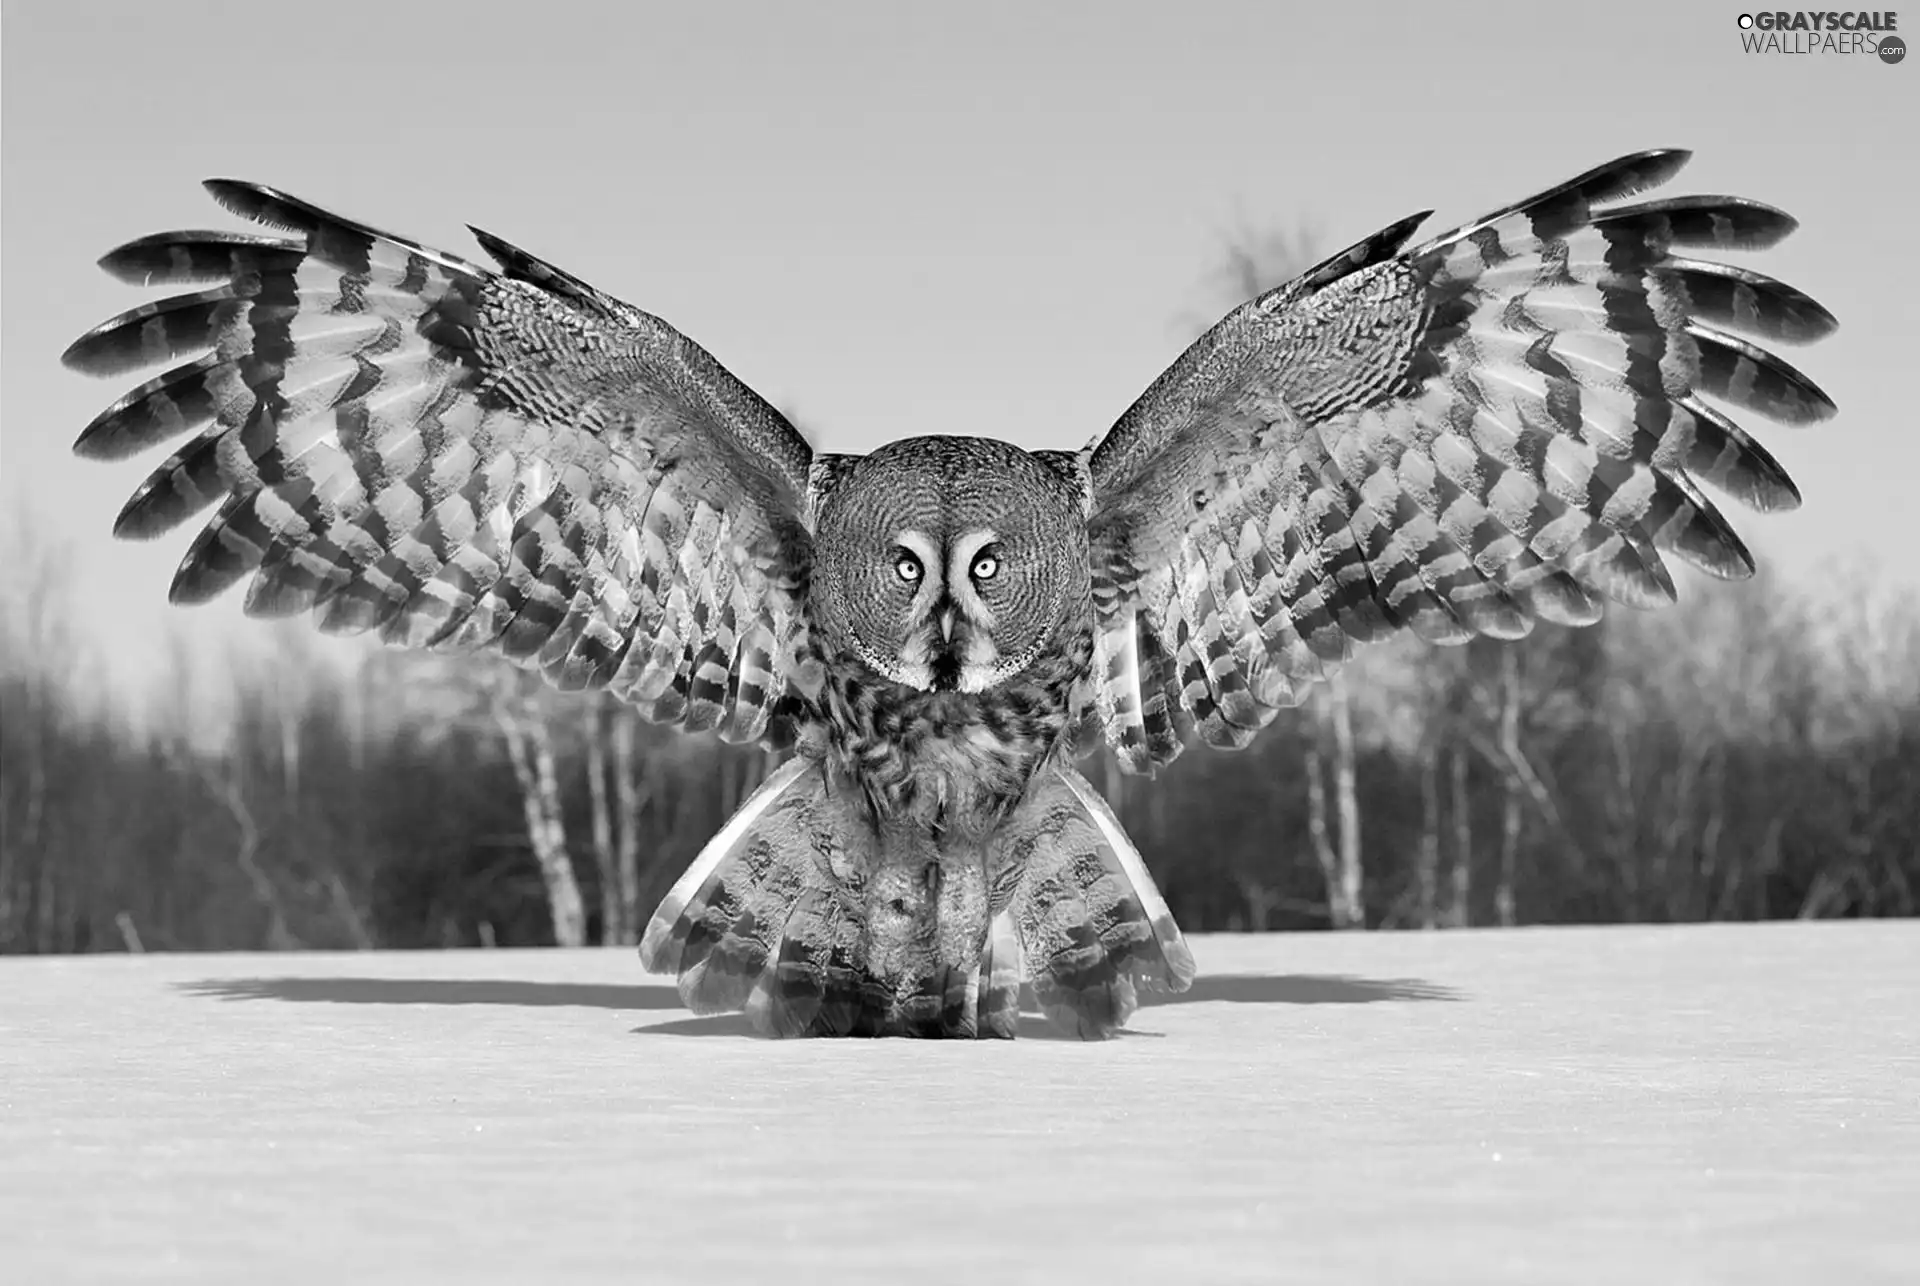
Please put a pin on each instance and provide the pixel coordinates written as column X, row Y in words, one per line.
column 950, row 760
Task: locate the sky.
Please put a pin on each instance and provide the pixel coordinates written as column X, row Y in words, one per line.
column 891, row 220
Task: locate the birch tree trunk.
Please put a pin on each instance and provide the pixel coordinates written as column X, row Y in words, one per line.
column 1346, row 791
column 1428, row 858
column 226, row 786
column 46, row 907
column 1706, row 896
column 606, row 862
column 1317, row 831
column 1342, row 907
column 348, row 912
column 632, row 796
column 1511, row 816
column 1460, row 913
column 530, row 748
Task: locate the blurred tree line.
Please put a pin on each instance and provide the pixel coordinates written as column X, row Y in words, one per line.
column 1746, row 754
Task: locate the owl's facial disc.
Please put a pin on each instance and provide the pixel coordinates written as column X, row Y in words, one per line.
column 948, row 564
column 949, row 644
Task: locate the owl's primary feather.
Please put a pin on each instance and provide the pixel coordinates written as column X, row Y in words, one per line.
column 1505, row 424
column 1502, row 425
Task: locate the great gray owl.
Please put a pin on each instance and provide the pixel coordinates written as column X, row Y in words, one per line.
column 1501, row 425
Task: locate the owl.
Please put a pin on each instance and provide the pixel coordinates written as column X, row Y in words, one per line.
column 1506, row 424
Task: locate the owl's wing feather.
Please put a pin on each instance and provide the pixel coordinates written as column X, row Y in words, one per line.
column 1502, row 425
column 405, row 442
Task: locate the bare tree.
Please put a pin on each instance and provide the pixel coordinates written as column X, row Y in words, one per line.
column 1460, row 905
column 1349, row 908
column 529, row 741
column 1338, row 850
column 1427, row 872
column 223, row 782
column 1510, row 812
column 634, row 788
column 1320, row 833
column 39, row 640
column 606, row 859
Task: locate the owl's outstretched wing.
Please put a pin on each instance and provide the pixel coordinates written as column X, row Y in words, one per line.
column 1502, row 425
column 408, row 443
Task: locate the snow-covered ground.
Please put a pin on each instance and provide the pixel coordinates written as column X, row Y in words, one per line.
column 1668, row 1105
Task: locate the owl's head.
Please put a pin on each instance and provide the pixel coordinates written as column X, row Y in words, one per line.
column 948, row 564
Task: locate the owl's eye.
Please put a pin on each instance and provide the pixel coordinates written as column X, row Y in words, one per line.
column 908, row 567
column 986, row 567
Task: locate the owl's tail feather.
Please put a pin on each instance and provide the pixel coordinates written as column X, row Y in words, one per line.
column 968, row 1002
column 760, row 924
column 1093, row 927
column 757, row 926
column 997, row 991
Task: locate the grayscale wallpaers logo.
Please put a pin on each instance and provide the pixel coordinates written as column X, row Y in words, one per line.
column 1828, row 32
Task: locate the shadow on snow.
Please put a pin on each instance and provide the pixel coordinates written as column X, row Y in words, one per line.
column 1237, row 989
column 1227, row 988
column 441, row 991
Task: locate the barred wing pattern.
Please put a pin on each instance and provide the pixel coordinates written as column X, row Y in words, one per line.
column 408, row 443
column 1503, row 425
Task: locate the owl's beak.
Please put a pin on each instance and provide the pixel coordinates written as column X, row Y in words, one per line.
column 946, row 618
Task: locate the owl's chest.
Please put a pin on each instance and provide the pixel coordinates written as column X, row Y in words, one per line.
column 948, row 759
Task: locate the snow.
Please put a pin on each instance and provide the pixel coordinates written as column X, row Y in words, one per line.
column 1727, row 1103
